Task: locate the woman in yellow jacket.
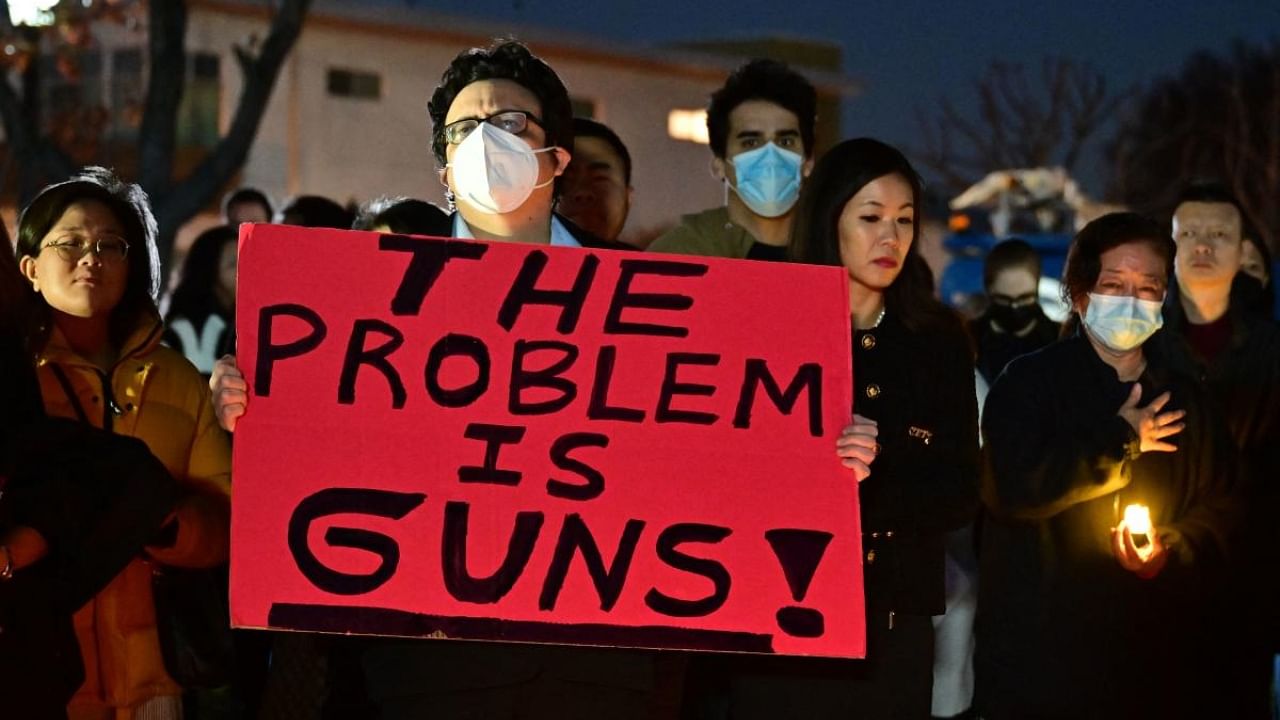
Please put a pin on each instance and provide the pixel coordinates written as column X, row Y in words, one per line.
column 87, row 248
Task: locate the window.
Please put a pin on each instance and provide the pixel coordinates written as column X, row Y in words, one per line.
column 198, row 112
column 583, row 107
column 354, row 84
column 688, row 125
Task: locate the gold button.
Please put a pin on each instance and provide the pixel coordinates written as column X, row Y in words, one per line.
column 868, row 342
column 873, row 390
column 871, row 556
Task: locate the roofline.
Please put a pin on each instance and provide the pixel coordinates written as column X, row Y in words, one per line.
column 687, row 63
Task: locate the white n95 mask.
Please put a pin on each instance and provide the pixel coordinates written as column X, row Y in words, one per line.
column 495, row 171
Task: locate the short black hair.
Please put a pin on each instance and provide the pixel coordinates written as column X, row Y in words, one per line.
column 248, row 195
column 132, row 209
column 504, row 60
column 316, row 211
column 768, row 80
column 402, row 215
column 1007, row 254
column 586, row 127
column 1209, row 191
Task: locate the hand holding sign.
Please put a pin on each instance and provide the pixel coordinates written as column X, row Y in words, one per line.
column 230, row 392
column 857, row 446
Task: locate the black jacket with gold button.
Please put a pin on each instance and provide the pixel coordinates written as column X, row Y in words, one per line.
column 919, row 387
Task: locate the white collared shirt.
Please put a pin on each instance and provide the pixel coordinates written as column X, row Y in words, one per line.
column 560, row 235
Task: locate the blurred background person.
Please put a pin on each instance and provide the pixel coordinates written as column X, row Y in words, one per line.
column 87, row 250
column 1255, row 262
column 247, row 205
column 1215, row 333
column 403, row 216
column 1013, row 323
column 316, row 211
column 596, row 187
column 201, row 317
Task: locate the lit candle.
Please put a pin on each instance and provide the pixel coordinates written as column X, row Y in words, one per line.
column 1137, row 518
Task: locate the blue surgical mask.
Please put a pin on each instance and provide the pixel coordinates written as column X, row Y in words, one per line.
column 768, row 179
column 1122, row 323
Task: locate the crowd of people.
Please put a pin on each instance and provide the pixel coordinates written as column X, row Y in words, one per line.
column 1099, row 545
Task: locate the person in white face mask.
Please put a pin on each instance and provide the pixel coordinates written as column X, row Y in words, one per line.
column 761, row 128
column 1078, row 600
column 503, row 136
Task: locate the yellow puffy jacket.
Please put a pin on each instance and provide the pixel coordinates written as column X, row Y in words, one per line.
column 152, row 393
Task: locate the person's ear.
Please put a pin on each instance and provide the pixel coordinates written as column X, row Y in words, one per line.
column 563, row 157
column 807, row 167
column 28, row 266
column 443, row 174
column 718, row 169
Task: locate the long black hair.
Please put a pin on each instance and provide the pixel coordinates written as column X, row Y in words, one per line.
column 13, row 291
column 815, row 235
column 132, row 209
column 195, row 295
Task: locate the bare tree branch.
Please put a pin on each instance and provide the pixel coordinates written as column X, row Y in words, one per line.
column 229, row 155
column 1019, row 121
column 166, row 43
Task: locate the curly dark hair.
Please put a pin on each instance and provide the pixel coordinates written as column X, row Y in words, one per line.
column 762, row 79
column 504, row 60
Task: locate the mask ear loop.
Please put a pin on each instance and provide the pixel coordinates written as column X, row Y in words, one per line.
column 553, row 175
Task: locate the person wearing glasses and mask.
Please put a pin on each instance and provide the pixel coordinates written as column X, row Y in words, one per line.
column 87, row 250
column 761, row 126
column 1111, row 505
column 1013, row 323
column 503, row 134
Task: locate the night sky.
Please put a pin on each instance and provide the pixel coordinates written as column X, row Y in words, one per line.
column 910, row 53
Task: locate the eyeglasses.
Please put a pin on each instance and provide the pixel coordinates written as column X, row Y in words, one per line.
column 109, row 248
column 512, row 121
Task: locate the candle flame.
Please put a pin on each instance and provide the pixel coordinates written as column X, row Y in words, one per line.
column 1138, row 519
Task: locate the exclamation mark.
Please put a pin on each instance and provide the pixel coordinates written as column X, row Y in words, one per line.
column 799, row 552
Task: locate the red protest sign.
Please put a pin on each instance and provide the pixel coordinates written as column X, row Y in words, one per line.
column 500, row 442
